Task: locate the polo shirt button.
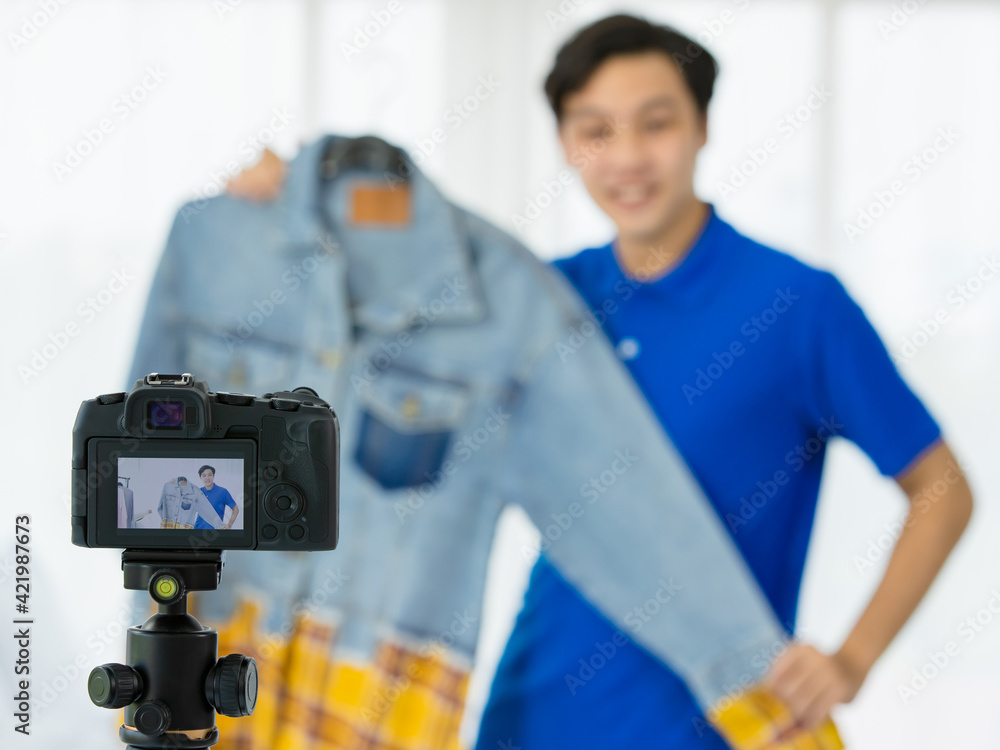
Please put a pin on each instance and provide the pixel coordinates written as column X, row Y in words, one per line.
column 628, row 348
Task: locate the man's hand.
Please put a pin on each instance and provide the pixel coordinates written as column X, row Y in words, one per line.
column 262, row 182
column 811, row 683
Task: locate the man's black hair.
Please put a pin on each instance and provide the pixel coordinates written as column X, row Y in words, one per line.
column 622, row 34
column 206, row 466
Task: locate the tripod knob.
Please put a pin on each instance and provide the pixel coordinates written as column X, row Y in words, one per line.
column 152, row 718
column 114, row 685
column 231, row 685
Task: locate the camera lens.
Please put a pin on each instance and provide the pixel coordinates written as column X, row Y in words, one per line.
column 166, row 415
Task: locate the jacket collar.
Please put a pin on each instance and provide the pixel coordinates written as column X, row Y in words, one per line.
column 436, row 257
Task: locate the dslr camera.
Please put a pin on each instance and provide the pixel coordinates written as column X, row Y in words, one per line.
column 172, row 465
column 176, row 475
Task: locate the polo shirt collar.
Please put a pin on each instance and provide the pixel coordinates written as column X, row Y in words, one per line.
column 690, row 279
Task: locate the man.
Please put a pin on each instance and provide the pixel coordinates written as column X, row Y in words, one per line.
column 219, row 497
column 752, row 361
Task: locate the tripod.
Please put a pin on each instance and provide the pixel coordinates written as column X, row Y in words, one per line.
column 172, row 683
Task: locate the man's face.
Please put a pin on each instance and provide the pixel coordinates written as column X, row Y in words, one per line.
column 208, row 478
column 634, row 132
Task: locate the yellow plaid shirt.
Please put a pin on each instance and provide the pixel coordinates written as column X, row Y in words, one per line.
column 411, row 698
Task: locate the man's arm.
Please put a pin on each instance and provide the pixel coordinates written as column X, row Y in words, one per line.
column 236, row 510
column 812, row 682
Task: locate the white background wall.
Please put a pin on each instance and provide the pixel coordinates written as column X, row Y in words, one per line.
column 897, row 74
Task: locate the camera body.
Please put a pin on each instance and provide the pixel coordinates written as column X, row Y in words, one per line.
column 172, row 465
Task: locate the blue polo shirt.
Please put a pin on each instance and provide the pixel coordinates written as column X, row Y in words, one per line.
column 219, row 497
column 753, row 361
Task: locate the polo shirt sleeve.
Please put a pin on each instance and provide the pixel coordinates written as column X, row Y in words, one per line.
column 228, row 499
column 853, row 387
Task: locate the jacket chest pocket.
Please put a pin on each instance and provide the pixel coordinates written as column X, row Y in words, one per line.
column 406, row 426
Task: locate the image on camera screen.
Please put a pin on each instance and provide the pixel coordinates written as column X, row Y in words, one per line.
column 180, row 493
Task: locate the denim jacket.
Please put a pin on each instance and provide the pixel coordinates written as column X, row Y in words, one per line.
column 181, row 503
column 466, row 375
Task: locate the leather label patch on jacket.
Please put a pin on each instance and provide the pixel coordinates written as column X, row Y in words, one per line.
column 378, row 205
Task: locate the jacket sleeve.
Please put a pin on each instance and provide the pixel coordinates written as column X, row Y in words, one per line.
column 206, row 510
column 159, row 344
column 625, row 521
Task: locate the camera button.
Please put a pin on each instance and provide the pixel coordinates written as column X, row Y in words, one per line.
column 296, row 532
column 269, row 532
column 283, row 503
column 235, row 399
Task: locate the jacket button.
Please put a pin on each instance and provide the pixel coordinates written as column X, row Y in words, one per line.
column 410, row 407
column 330, row 358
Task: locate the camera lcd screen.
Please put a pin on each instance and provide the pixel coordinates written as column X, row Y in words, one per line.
column 173, row 493
column 180, row 493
